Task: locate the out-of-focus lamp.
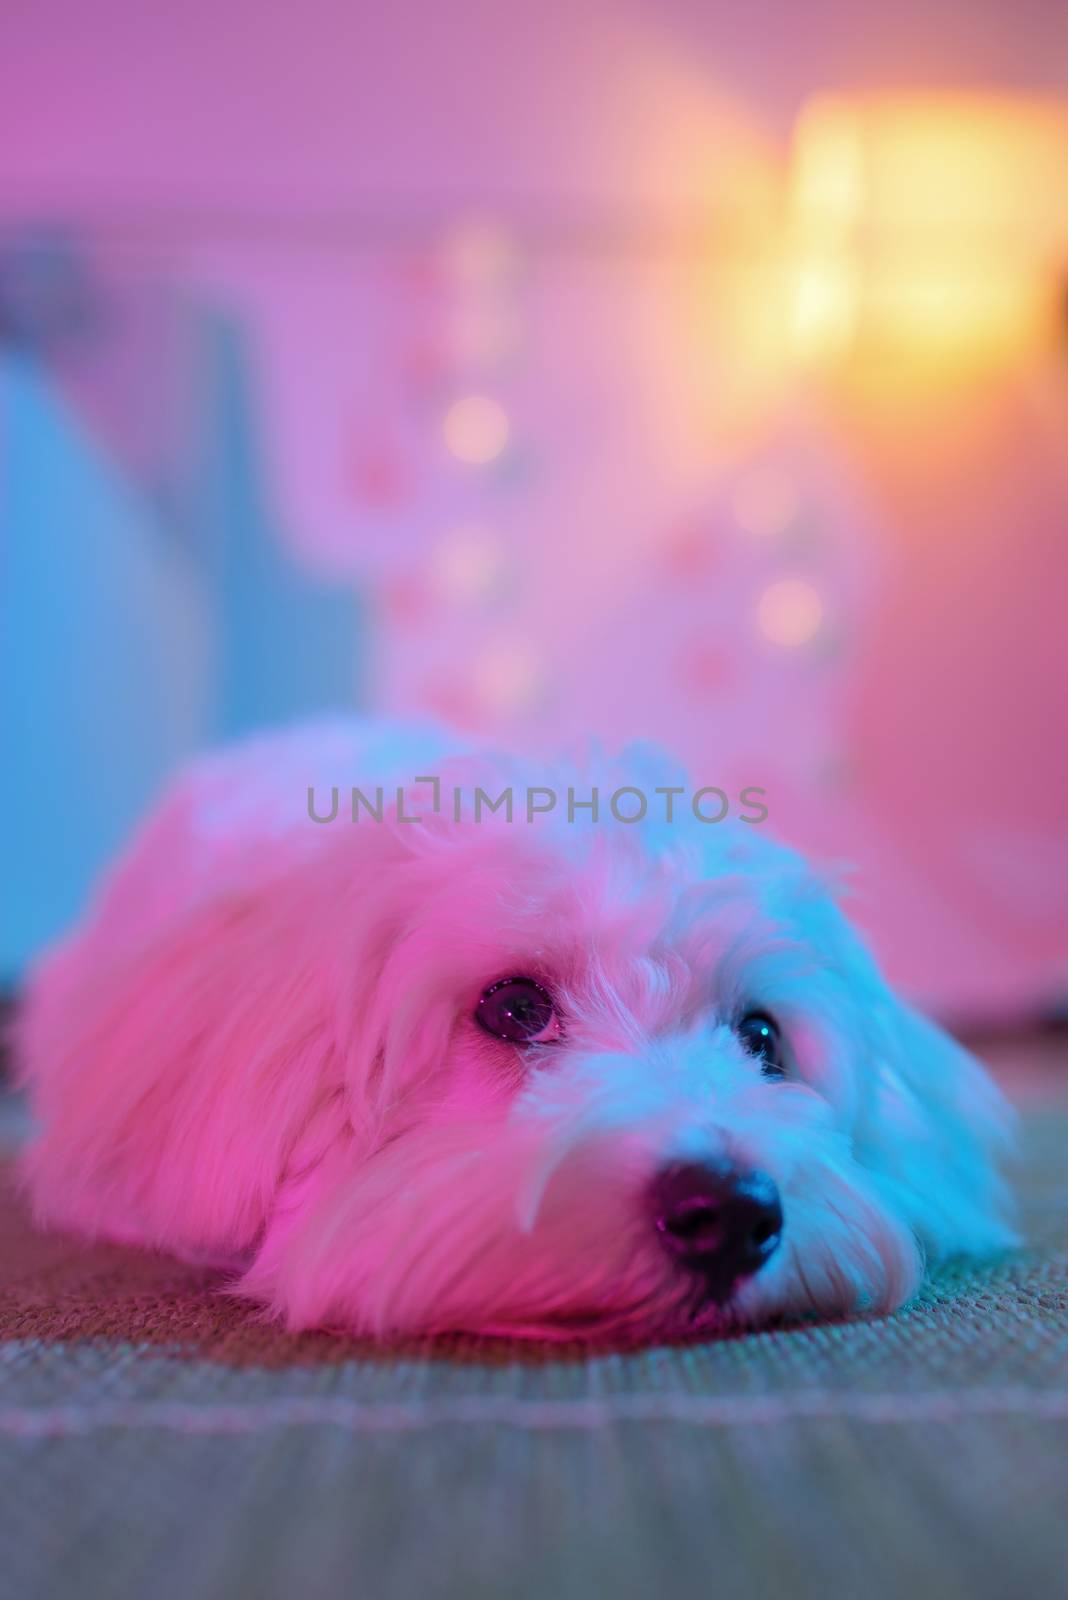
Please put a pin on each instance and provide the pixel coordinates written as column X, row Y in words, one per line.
column 927, row 229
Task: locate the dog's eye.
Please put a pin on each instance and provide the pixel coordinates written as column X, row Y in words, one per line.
column 519, row 1010
column 760, row 1035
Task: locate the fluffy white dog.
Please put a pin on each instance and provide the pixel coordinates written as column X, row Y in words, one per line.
column 541, row 1074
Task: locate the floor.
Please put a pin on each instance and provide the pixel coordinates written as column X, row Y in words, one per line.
column 156, row 1439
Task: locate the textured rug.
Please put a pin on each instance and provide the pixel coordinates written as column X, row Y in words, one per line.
column 157, row 1439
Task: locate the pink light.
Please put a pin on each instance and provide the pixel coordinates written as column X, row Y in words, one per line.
column 476, row 429
column 790, row 612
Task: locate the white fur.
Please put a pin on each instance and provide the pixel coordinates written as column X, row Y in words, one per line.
column 259, row 1049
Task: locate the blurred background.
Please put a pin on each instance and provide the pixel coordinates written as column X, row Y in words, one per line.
column 653, row 367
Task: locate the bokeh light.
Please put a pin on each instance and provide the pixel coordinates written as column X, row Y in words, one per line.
column 476, row 429
column 923, row 227
column 790, row 612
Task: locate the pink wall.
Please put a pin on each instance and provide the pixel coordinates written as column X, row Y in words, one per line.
column 306, row 169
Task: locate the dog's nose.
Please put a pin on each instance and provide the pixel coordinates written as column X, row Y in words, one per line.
column 716, row 1221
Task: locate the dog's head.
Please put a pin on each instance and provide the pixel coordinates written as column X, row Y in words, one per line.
column 548, row 1078
column 628, row 1078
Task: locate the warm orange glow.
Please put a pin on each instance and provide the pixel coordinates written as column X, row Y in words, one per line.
column 926, row 227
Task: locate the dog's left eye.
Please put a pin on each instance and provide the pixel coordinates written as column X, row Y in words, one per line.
column 519, row 1010
column 760, row 1035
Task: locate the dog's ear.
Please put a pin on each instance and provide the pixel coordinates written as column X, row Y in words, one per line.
column 171, row 1078
column 937, row 1130
column 177, row 1075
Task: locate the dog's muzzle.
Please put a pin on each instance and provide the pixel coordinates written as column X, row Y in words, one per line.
column 718, row 1223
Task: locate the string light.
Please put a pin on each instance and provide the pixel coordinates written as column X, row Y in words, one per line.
column 790, row 612
column 476, row 429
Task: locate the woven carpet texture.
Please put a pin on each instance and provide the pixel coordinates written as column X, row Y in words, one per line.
column 157, row 1439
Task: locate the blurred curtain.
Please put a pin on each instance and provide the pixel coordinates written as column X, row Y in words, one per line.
column 148, row 604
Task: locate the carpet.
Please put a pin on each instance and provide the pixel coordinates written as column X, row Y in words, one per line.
column 158, row 1439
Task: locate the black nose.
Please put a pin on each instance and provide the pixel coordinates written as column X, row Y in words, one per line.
column 716, row 1220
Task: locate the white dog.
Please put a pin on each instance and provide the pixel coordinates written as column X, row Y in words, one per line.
column 542, row 1074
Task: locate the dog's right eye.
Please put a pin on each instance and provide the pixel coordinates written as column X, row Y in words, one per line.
column 519, row 1010
column 760, row 1035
